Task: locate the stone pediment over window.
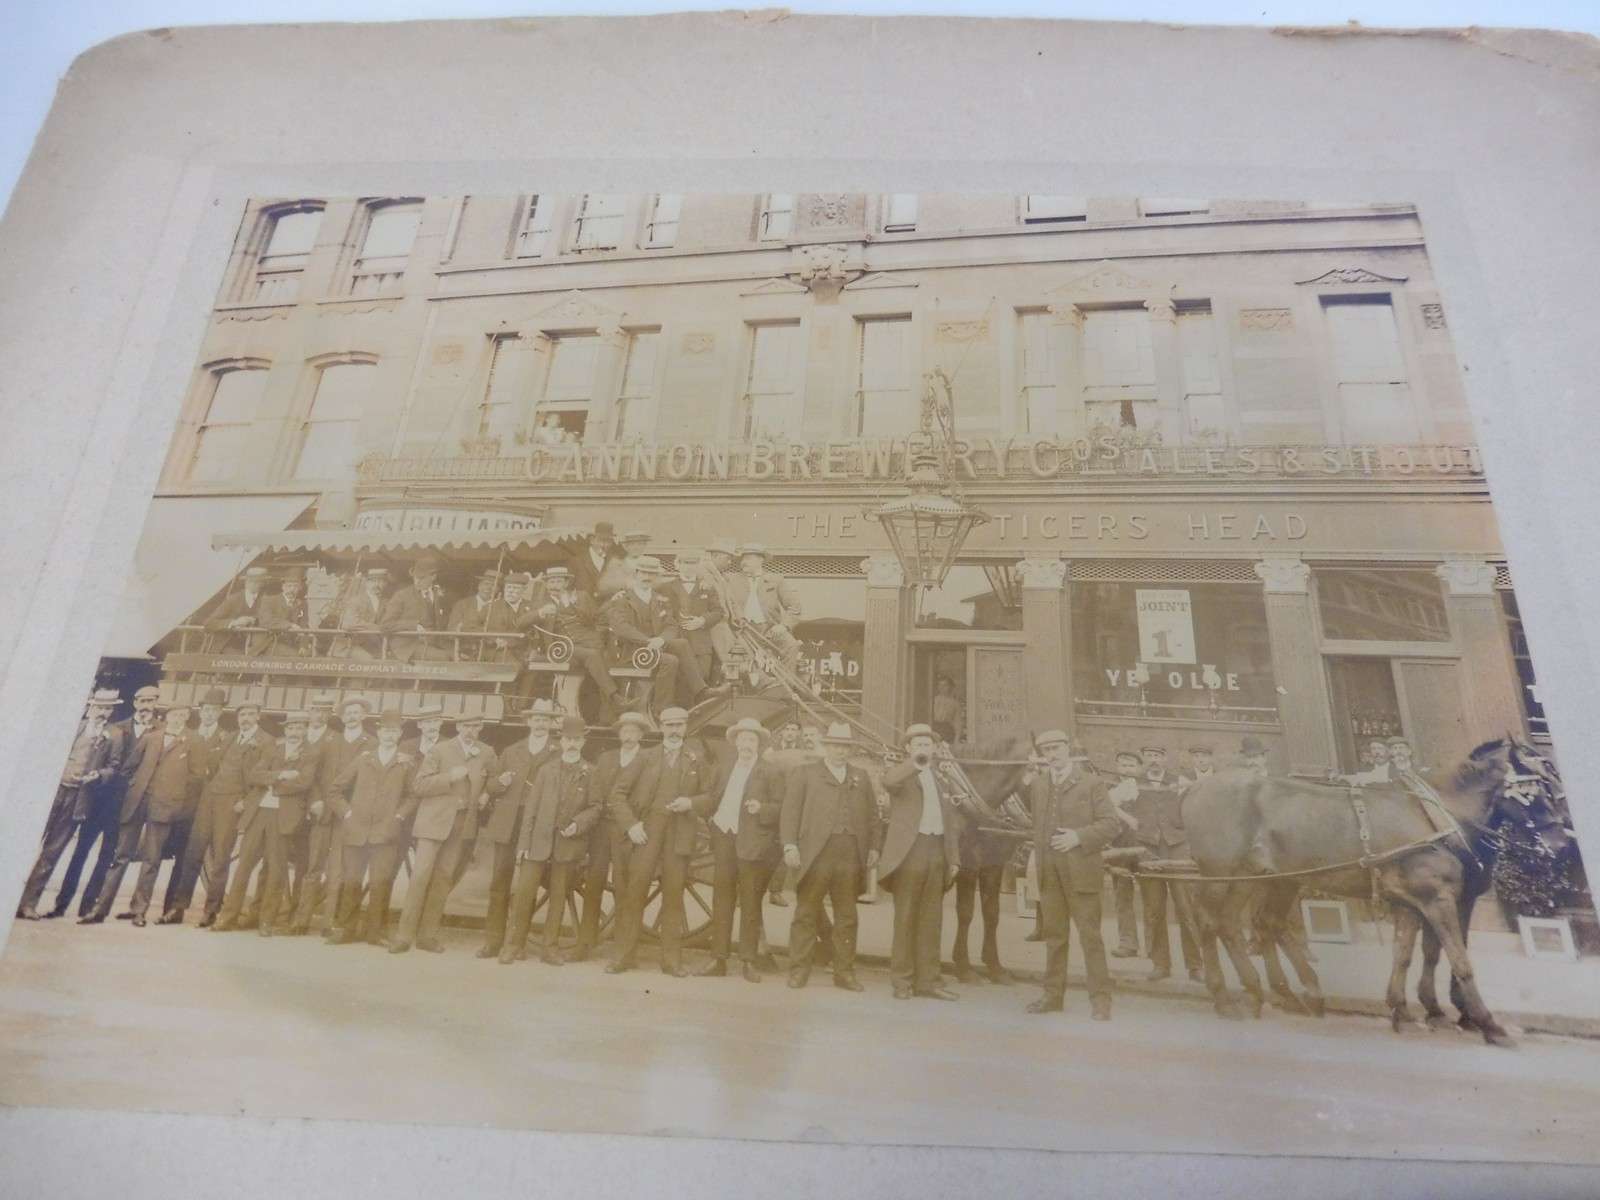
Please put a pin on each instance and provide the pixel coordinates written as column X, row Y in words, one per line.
column 1111, row 281
column 879, row 281
column 1352, row 275
column 574, row 310
column 777, row 287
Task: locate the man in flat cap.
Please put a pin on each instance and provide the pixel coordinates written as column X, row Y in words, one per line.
column 91, row 767
column 1157, row 810
column 764, row 602
column 920, row 858
column 319, row 745
column 450, row 788
column 609, row 847
column 742, row 807
column 239, row 613
column 107, row 821
column 559, row 808
column 271, row 811
column 415, row 611
column 657, row 815
column 506, row 789
column 1123, row 795
column 371, row 800
column 831, row 836
column 1202, row 765
column 1073, row 821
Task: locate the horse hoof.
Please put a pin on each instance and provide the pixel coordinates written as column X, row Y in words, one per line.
column 1437, row 1022
column 1469, row 1025
column 1398, row 1017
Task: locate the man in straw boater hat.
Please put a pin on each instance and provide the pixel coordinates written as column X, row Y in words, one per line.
column 559, row 808
column 609, row 847
column 414, row 611
column 831, row 836
column 91, row 766
column 1073, row 821
column 741, row 808
column 518, row 767
column 642, row 615
column 920, row 857
column 239, row 613
column 657, row 815
column 449, row 786
column 164, row 773
column 106, row 818
column 371, row 798
column 324, row 857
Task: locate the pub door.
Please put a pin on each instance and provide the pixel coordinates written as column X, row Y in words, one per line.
column 1382, row 697
column 970, row 693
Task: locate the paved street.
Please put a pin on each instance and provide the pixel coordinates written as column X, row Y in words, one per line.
column 178, row 1019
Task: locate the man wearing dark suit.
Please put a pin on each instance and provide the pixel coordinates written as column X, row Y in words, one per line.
column 507, row 789
column 105, row 815
column 642, row 615
column 559, row 807
column 615, row 772
column 285, row 614
column 324, row 855
column 163, row 773
column 269, row 814
column 1158, row 814
column 449, row 786
column 211, row 742
column 742, row 808
column 320, row 738
column 576, row 615
column 698, row 609
column 239, row 614
column 589, row 564
column 920, row 857
column 415, row 611
column 92, row 766
column 361, row 637
column 371, row 799
column 657, row 815
column 831, row 835
column 1073, row 821
column 210, row 852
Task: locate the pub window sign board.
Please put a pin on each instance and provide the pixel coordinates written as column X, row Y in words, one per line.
column 479, row 683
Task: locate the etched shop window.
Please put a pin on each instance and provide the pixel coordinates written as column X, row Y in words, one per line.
column 1381, row 605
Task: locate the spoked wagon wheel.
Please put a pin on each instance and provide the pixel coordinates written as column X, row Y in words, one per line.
column 696, row 898
column 569, row 919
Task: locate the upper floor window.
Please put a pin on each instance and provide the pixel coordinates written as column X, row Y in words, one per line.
column 1172, row 208
column 328, row 440
column 1040, row 401
column 285, row 249
column 569, row 388
column 772, row 385
column 777, row 216
column 1119, row 369
column 505, row 398
column 1039, row 210
column 1204, row 413
column 900, row 212
column 635, row 412
column 662, row 228
column 1370, row 370
column 224, row 433
column 386, row 247
column 599, row 222
column 533, row 238
column 888, row 405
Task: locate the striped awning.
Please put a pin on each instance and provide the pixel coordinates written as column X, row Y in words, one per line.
column 397, row 542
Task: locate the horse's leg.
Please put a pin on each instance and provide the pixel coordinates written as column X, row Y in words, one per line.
column 1407, row 924
column 966, row 888
column 989, row 880
column 1457, row 997
column 1204, row 901
column 1427, row 993
column 1444, row 915
column 1236, row 896
column 1291, row 940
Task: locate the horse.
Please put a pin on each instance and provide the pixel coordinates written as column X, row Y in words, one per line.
column 1246, row 830
column 995, row 771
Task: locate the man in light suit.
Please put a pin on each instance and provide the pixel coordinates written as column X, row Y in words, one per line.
column 657, row 815
column 831, row 836
column 920, row 857
column 240, row 613
column 450, row 788
column 164, row 771
column 559, row 807
column 507, row 788
column 92, row 765
column 361, row 636
column 1073, row 821
column 415, row 611
column 764, row 602
column 742, row 807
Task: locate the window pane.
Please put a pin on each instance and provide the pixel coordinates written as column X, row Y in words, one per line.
column 885, row 379
column 901, row 213
column 342, row 391
column 572, row 366
column 1180, row 651
column 1373, row 394
column 237, row 396
column 534, row 237
column 772, row 388
column 1036, row 333
column 328, row 451
column 1117, row 350
column 600, row 221
column 663, row 229
column 1054, row 208
column 505, row 400
column 392, row 231
column 1382, row 605
column 1202, row 377
column 221, row 449
column 634, row 409
column 293, row 234
column 777, row 217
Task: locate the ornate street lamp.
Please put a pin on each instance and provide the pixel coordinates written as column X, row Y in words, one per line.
column 1006, row 583
column 927, row 526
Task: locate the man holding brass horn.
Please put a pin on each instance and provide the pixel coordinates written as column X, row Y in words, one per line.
column 919, row 860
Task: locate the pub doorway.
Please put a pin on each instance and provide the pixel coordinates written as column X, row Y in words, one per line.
column 970, row 692
column 1418, row 698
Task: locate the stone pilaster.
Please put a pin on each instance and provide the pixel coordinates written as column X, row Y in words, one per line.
column 1047, row 626
column 1169, row 368
column 1303, row 706
column 885, row 671
column 1489, row 673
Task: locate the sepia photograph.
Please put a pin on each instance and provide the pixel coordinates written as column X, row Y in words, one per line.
column 821, row 666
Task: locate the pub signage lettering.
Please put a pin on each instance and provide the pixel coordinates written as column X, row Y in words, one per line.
column 1257, row 527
